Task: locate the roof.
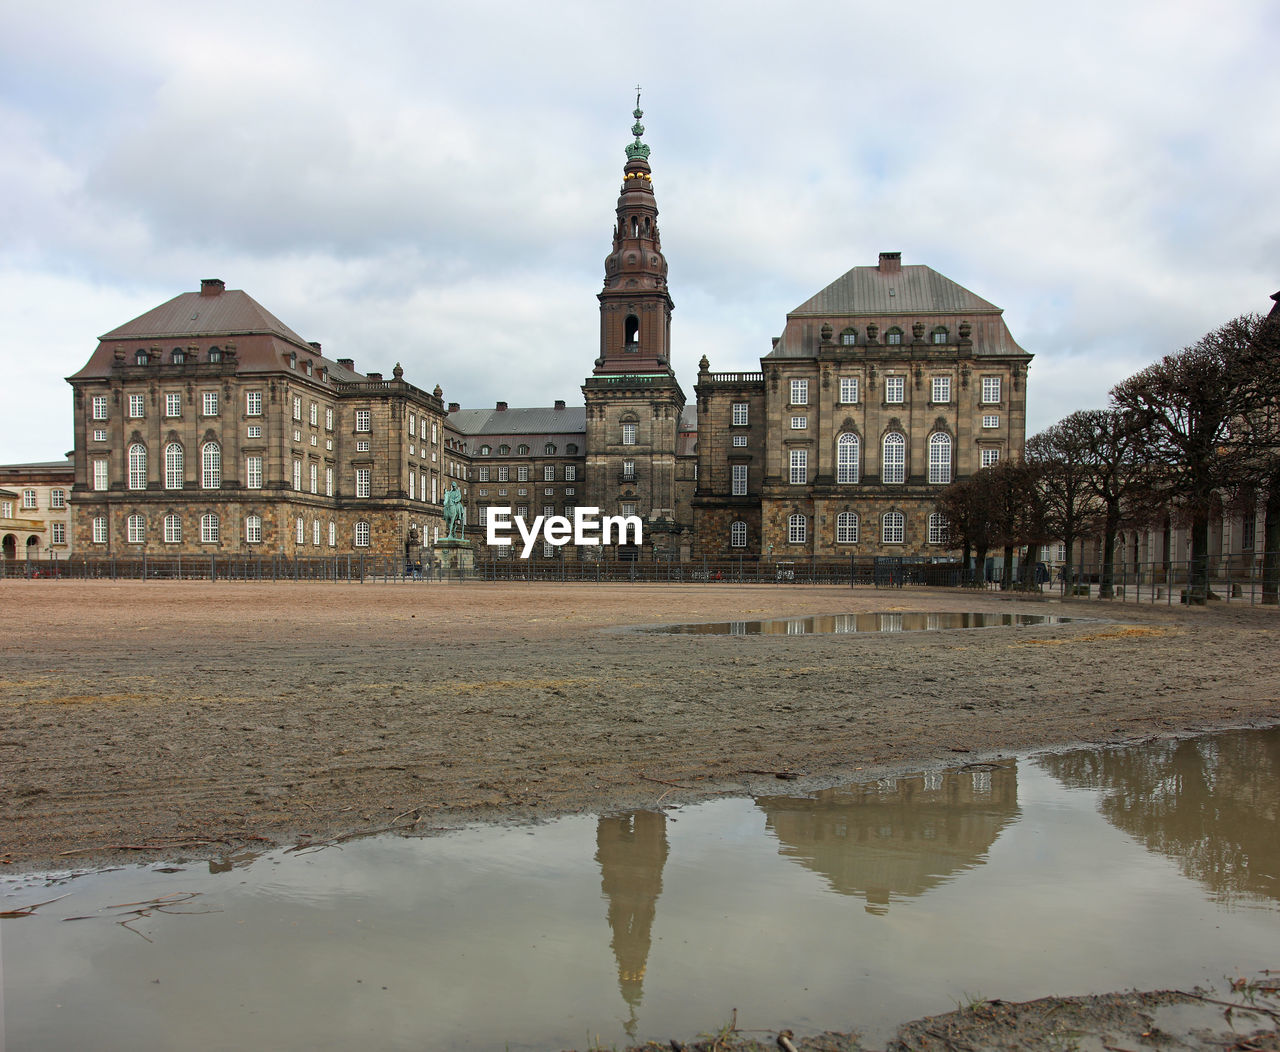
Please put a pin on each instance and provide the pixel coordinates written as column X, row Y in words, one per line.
column 915, row 289
column 538, row 420
column 228, row 313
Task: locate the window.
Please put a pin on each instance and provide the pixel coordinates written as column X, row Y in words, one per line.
column 58, row 534
column 211, row 466
column 894, row 335
column 522, row 473
column 413, row 424
column 413, row 486
column 333, row 534
column 137, row 470
column 522, row 450
column 136, row 529
column 300, row 531
column 253, row 529
column 99, row 410
column 571, row 473
column 991, row 420
column 799, row 467
column 297, row 407
column 799, row 392
column 99, row 434
column 253, row 431
column 549, row 449
column 364, row 420
column 328, row 482
column 297, row 474
column 363, row 478
column 174, row 464
column 29, row 495
column 253, row 403
column 482, row 473
column 990, row 457
column 894, row 468
column 504, row 450
column 892, row 527
column 939, row 335
column 846, row 528
column 939, row 531
column 895, row 389
column 738, row 534
column 100, row 475
column 848, row 469
column 362, row 445
column 504, row 473
column 739, row 480
column 797, row 529
column 58, row 498
column 849, row 337
column 548, row 473
column 849, row 390
column 137, row 406
column 173, row 404
column 315, row 483
column 627, row 507
column 629, row 470
column 941, row 390
column 215, row 355
column 485, row 451
column 939, row 458
column 314, row 415
column 172, row 529
column 209, row 529
column 740, row 413
column 6, row 509
column 628, row 434
column 990, row 389
column 209, row 403
column 799, row 423
column 1248, row 534
column 328, row 418
column 99, row 529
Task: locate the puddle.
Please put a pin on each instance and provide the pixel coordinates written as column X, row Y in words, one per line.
column 837, row 624
column 858, row 907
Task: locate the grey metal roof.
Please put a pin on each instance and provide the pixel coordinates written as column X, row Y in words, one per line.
column 231, row 312
column 538, row 420
column 916, row 289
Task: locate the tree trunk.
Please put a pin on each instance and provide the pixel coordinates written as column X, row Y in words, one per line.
column 1271, row 546
column 1106, row 588
column 980, row 568
column 1029, row 579
column 1198, row 571
column 1068, row 577
column 966, row 572
column 1006, row 575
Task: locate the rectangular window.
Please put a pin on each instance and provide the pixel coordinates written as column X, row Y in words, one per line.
column 740, row 413
column 739, row 480
column 6, row 509
column 941, row 390
column 297, row 474
column 482, row 473
column 137, row 406
column 300, row 531
column 627, row 507
column 136, row 529
column 173, row 404
column 799, row 423
column 58, row 498
column 938, row 532
column 364, row 420
column 413, row 486
column 99, row 529
column 333, row 534
column 849, row 390
column 413, row 424
column 315, row 532
column 571, row 473
column 895, row 389
column 99, row 475
column 328, row 419
column 739, row 440
column 315, row 478
column 253, row 472
column 297, row 407
column 363, row 478
column 328, row 482
column 172, row 529
column 797, row 529
column 548, row 473
column 99, row 407
column 628, row 469
column 504, row 474
column 29, row 496
column 314, row 417
column 99, row 434
column 990, row 420
column 253, row 431
column 799, row 467
column 362, row 445
column 990, row 457
column 253, row 529
column 799, row 392
column 253, row 403
column 990, row 389
column 209, row 403
column 522, row 474
column 628, row 434
column 58, row 532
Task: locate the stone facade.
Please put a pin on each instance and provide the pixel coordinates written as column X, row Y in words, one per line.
column 35, row 510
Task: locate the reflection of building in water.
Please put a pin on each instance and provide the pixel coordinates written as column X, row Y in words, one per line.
column 631, row 850
column 899, row 836
column 1211, row 804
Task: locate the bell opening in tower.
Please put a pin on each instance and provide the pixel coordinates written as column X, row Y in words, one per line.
column 632, row 333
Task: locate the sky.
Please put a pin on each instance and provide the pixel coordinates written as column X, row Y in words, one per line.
column 434, row 184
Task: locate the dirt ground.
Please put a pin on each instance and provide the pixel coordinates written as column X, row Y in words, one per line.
column 145, row 719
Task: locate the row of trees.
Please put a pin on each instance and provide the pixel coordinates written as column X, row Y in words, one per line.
column 1197, row 429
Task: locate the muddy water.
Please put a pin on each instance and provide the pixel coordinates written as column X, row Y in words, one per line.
column 839, row 624
column 858, row 907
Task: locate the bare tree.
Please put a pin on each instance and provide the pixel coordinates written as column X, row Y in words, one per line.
column 1063, row 456
column 967, row 520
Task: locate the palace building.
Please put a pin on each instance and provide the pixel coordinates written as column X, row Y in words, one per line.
column 208, row 425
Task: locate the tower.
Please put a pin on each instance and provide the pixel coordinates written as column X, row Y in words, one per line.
column 633, row 400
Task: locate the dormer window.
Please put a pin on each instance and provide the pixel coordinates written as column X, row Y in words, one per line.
column 522, row 450
column 571, row 448
column 894, row 335
column 293, row 360
column 549, row 449
column 504, row 451
column 179, row 356
column 307, row 367
column 140, row 357
column 849, row 337
column 940, row 335
column 485, row 451
column 215, row 355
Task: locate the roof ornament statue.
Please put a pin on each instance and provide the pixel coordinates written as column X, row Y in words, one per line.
column 637, row 148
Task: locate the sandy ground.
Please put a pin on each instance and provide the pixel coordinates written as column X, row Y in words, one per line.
column 142, row 720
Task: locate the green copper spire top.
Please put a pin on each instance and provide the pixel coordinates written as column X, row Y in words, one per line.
column 637, row 148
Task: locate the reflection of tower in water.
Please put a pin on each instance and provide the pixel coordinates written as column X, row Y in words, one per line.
column 631, row 850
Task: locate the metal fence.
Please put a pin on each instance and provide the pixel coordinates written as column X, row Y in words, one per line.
column 1170, row 582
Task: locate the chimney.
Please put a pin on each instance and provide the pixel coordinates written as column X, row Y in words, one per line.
column 212, row 286
column 559, row 403
column 455, row 407
column 348, row 363
column 314, row 346
column 502, row 407
column 373, row 376
column 890, row 262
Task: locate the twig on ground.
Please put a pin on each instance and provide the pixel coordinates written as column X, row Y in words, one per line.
column 28, row 911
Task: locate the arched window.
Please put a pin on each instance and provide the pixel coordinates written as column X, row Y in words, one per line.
column 892, row 527
column 939, row 529
column 362, row 534
column 549, row 449
column 137, row 466
column 571, row 448
column 172, row 529
column 504, row 451
column 140, row 357
column 940, row 335
column 797, row 529
column 847, row 450
column 632, row 337
column 173, row 466
column 847, row 528
column 635, row 227
column 253, row 529
column 522, row 450
column 136, row 529
column 210, row 527
column 485, row 450
column 179, row 356
column 211, row 466
column 738, row 535
column 849, row 337
column 333, row 534
column 894, row 468
column 893, row 335
column 940, row 458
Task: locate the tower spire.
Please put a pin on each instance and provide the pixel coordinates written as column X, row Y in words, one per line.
column 637, row 149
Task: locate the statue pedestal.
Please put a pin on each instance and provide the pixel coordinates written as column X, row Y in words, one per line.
column 453, row 554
